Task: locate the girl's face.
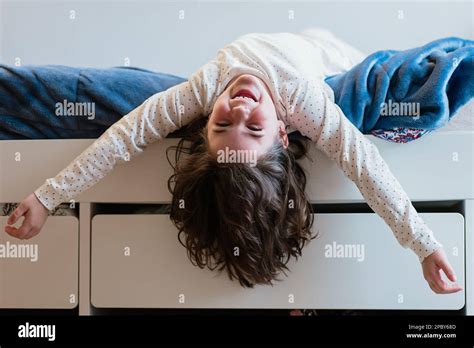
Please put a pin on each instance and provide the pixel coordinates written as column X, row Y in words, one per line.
column 245, row 123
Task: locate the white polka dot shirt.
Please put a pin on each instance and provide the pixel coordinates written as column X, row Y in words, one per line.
column 293, row 65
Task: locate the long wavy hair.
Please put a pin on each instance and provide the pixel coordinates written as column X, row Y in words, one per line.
column 249, row 220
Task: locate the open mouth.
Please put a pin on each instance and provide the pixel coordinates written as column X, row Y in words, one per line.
column 245, row 94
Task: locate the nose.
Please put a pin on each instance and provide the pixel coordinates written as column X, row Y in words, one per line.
column 240, row 112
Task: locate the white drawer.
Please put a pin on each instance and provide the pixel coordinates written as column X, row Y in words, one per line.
column 440, row 160
column 46, row 274
column 138, row 262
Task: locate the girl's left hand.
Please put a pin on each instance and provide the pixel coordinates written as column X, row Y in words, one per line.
column 432, row 265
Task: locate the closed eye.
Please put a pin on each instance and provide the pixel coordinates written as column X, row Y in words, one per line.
column 252, row 128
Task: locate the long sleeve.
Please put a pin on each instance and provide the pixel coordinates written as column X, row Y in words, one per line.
column 153, row 120
column 317, row 117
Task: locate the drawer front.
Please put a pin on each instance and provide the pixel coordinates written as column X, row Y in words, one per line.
column 434, row 159
column 355, row 263
column 41, row 272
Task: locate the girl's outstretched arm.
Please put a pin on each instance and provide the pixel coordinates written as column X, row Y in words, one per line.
column 153, row 120
column 316, row 116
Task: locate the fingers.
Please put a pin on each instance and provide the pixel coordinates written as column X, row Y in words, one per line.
column 17, row 213
column 449, row 289
column 436, row 289
column 432, row 267
column 25, row 227
column 447, row 269
column 30, row 226
column 439, row 286
column 21, row 233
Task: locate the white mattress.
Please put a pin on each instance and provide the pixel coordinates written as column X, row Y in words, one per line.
column 463, row 120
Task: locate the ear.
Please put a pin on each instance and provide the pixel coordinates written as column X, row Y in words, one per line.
column 282, row 134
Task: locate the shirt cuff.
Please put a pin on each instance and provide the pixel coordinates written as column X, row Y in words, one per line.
column 425, row 244
column 48, row 196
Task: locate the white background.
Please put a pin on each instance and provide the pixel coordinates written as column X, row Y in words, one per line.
column 152, row 36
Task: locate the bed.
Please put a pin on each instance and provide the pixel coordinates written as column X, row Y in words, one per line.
column 113, row 247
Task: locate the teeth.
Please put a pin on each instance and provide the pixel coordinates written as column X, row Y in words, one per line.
column 243, row 97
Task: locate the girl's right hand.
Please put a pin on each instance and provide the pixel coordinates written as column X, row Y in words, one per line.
column 35, row 216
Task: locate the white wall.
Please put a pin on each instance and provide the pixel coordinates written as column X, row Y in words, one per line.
column 152, row 35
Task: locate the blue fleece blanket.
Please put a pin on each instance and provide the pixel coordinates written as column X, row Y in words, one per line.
column 54, row 101
column 418, row 88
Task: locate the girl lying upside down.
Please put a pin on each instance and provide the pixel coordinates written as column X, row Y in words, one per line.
column 251, row 95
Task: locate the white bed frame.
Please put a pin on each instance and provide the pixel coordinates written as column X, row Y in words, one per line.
column 84, row 263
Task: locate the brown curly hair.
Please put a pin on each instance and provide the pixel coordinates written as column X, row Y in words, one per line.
column 247, row 219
